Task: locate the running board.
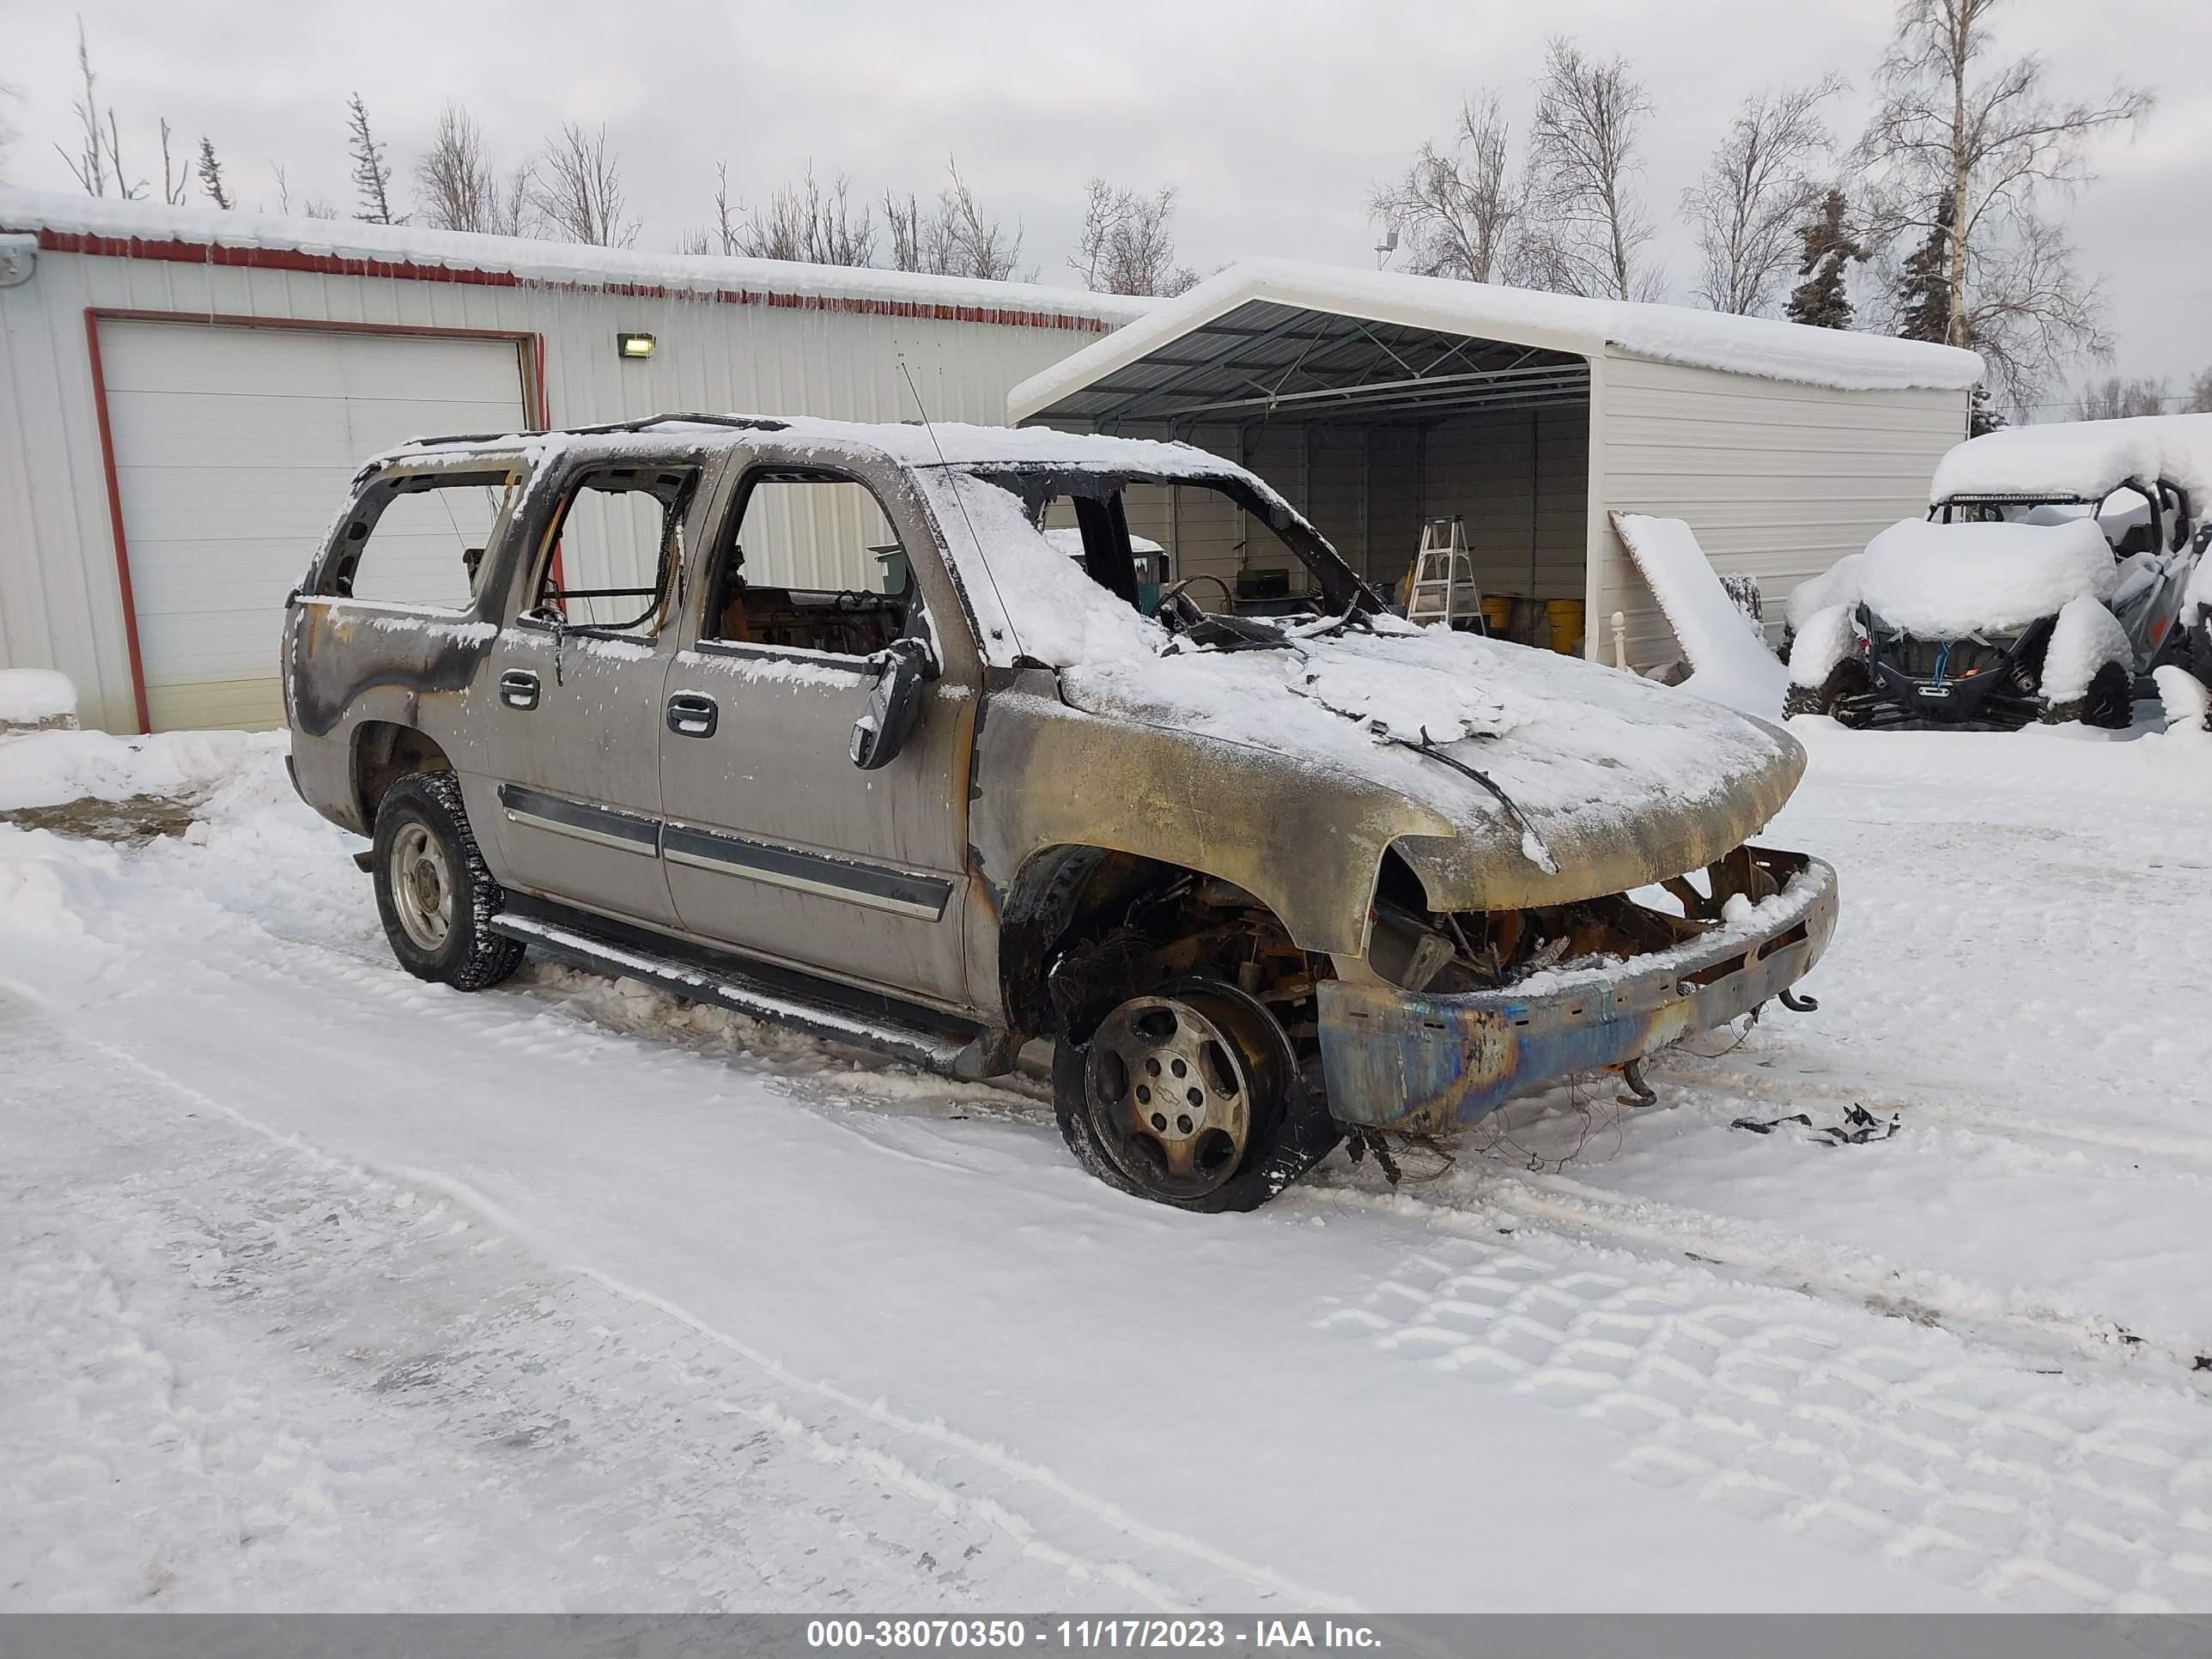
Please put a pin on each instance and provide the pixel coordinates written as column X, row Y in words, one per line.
column 900, row 1031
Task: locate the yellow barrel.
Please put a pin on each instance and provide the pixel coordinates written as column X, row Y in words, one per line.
column 1565, row 616
column 1497, row 611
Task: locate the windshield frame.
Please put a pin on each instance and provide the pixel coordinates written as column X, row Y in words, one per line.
column 1036, row 483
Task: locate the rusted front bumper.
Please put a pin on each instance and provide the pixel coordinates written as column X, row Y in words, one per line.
column 1405, row 1060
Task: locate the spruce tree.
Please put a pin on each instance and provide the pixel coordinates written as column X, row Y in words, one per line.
column 1923, row 288
column 372, row 177
column 211, row 172
column 1821, row 300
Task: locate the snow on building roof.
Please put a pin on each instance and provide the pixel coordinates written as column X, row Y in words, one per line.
column 2088, row 458
column 105, row 225
column 1757, row 346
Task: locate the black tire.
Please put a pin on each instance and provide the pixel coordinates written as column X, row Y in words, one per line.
column 2109, row 702
column 1848, row 678
column 434, row 891
column 1286, row 1127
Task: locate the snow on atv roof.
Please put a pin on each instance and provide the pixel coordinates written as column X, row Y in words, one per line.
column 1759, row 346
column 2085, row 458
column 1948, row 580
column 61, row 220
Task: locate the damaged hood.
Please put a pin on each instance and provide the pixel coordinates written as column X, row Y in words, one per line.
column 1527, row 777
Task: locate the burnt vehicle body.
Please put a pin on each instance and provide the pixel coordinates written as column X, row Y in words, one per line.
column 2084, row 650
column 1261, row 882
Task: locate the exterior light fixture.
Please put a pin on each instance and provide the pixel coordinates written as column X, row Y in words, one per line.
column 634, row 345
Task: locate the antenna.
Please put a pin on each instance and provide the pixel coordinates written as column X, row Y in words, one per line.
column 952, row 482
column 1386, row 247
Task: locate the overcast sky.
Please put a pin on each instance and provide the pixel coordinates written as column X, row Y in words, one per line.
column 1274, row 120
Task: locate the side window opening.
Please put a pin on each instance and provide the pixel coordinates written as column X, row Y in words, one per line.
column 815, row 565
column 419, row 539
column 611, row 559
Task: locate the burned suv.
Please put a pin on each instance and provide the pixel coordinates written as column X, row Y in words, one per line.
column 817, row 722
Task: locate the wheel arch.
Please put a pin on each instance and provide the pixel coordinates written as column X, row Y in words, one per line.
column 383, row 753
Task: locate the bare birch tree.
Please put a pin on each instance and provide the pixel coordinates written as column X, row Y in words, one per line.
column 720, row 237
column 2199, row 400
column 1460, row 211
column 457, row 185
column 176, row 173
column 1588, row 224
column 1749, row 206
column 1128, row 242
column 2113, row 398
column 98, row 163
column 953, row 237
column 802, row 221
column 576, row 190
column 1963, row 146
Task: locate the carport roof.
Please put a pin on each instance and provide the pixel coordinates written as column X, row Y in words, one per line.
column 1273, row 337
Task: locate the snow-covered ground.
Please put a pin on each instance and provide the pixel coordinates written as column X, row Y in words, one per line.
column 327, row 1289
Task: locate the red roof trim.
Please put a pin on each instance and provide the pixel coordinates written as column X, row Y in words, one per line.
column 277, row 258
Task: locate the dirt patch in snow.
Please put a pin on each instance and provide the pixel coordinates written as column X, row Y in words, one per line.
column 130, row 822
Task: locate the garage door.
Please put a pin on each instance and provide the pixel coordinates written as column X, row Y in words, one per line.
column 233, row 449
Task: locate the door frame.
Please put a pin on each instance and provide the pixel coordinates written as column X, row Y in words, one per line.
column 531, row 352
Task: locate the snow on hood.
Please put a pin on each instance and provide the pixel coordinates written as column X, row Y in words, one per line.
column 1578, row 748
column 1947, row 580
column 2088, row 459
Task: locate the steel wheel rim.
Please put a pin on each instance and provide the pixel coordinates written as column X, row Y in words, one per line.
column 421, row 887
column 1172, row 1094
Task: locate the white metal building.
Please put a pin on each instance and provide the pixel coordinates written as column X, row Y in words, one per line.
column 184, row 393
column 1374, row 400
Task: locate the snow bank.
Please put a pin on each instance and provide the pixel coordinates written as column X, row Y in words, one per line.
column 2088, row 459
column 559, row 263
column 36, row 696
column 1758, row 346
column 1838, row 585
column 2188, row 703
column 1730, row 662
column 47, row 768
column 1828, row 637
column 2086, row 638
column 1945, row 580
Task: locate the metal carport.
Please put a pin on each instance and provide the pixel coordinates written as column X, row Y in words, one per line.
column 1374, row 400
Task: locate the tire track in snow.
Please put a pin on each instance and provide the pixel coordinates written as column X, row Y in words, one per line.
column 1869, row 1436
column 1769, row 1256
column 824, row 1439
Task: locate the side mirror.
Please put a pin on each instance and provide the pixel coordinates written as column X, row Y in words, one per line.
column 894, row 705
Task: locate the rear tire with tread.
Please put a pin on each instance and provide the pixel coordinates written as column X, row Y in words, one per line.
column 436, row 894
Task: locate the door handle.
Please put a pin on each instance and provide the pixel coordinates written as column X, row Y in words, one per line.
column 691, row 715
column 518, row 688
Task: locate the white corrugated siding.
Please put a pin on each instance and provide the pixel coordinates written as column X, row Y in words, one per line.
column 1779, row 481
column 60, row 598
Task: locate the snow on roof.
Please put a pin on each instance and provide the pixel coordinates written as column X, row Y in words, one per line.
column 529, row 260
column 2088, row 458
column 1946, row 580
column 1757, row 346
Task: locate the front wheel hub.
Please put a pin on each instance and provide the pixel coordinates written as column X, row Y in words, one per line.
column 1171, row 1089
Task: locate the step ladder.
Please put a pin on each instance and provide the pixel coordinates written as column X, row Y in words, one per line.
column 1444, row 587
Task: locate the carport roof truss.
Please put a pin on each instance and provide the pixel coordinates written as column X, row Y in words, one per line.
column 1263, row 360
